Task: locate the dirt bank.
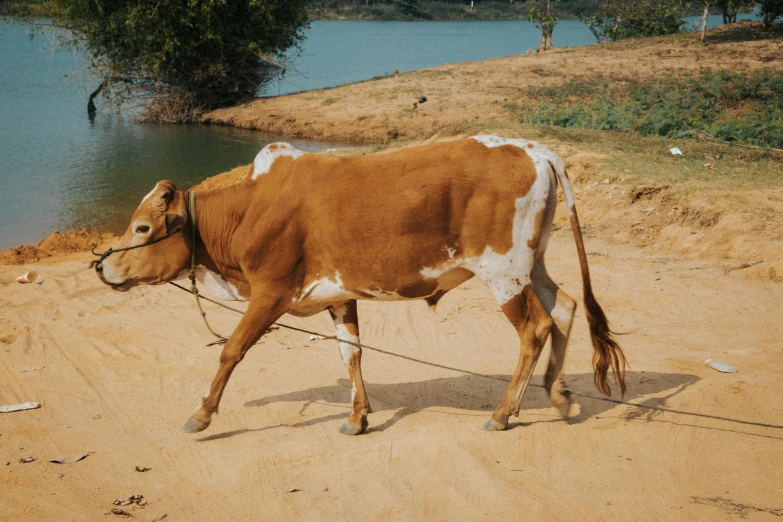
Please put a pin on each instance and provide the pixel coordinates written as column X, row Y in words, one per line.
column 55, row 247
column 461, row 97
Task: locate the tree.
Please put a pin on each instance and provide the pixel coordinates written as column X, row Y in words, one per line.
column 730, row 8
column 546, row 22
column 703, row 20
column 408, row 8
column 770, row 10
column 617, row 19
column 175, row 59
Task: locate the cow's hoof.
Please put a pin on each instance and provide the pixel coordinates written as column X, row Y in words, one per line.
column 561, row 399
column 349, row 429
column 195, row 425
column 493, row 425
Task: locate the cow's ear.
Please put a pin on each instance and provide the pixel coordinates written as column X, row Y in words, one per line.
column 163, row 195
column 177, row 211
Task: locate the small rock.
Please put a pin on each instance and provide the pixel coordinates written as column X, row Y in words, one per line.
column 142, row 502
column 125, row 503
column 142, row 469
column 649, row 209
column 27, row 460
column 60, row 475
column 159, row 517
column 117, row 511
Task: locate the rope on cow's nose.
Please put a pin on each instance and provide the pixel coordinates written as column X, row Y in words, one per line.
column 492, row 377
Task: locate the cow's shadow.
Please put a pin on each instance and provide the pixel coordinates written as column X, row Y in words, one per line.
column 475, row 393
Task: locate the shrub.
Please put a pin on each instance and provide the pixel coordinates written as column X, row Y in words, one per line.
column 732, row 107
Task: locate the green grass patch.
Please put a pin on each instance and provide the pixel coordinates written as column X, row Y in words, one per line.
column 745, row 108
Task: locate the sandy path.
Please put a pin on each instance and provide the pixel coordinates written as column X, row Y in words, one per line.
column 120, row 373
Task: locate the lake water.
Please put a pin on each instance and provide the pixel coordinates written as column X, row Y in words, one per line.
column 61, row 171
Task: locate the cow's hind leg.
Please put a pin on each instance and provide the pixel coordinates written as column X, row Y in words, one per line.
column 533, row 324
column 560, row 306
column 347, row 324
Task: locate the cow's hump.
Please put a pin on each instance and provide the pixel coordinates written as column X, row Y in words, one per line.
column 266, row 158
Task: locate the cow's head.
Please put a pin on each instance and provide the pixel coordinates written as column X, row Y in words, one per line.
column 162, row 212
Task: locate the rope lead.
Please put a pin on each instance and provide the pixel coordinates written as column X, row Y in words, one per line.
column 221, row 339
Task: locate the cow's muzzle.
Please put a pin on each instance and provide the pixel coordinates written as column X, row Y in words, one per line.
column 101, row 257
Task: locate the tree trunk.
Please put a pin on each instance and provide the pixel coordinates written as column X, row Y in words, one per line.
column 90, row 105
column 703, row 22
column 542, row 42
column 549, row 40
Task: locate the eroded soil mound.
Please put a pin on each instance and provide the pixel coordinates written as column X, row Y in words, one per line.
column 55, row 245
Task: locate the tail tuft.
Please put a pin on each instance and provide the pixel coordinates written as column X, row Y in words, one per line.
column 607, row 352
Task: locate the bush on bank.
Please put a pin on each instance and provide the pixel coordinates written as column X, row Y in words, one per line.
column 738, row 107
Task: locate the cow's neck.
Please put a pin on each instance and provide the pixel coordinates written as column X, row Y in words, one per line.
column 218, row 213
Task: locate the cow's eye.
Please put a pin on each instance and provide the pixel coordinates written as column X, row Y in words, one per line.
column 142, row 229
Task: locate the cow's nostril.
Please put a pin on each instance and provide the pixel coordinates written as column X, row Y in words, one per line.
column 99, row 268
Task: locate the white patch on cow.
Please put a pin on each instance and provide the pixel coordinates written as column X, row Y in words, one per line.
column 451, row 252
column 221, row 288
column 507, row 274
column 535, row 150
column 150, row 194
column 217, row 285
column 201, row 402
column 346, row 350
column 266, row 158
column 325, row 290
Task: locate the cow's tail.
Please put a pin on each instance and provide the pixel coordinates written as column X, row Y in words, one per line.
column 607, row 351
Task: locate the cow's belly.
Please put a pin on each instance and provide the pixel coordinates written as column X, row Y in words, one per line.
column 320, row 294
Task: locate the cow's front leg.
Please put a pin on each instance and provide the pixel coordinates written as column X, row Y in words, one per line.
column 347, row 324
column 260, row 315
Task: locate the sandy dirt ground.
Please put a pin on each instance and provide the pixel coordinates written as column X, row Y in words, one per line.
column 118, row 374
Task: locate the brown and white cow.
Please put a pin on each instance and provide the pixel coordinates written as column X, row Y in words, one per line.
column 304, row 233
